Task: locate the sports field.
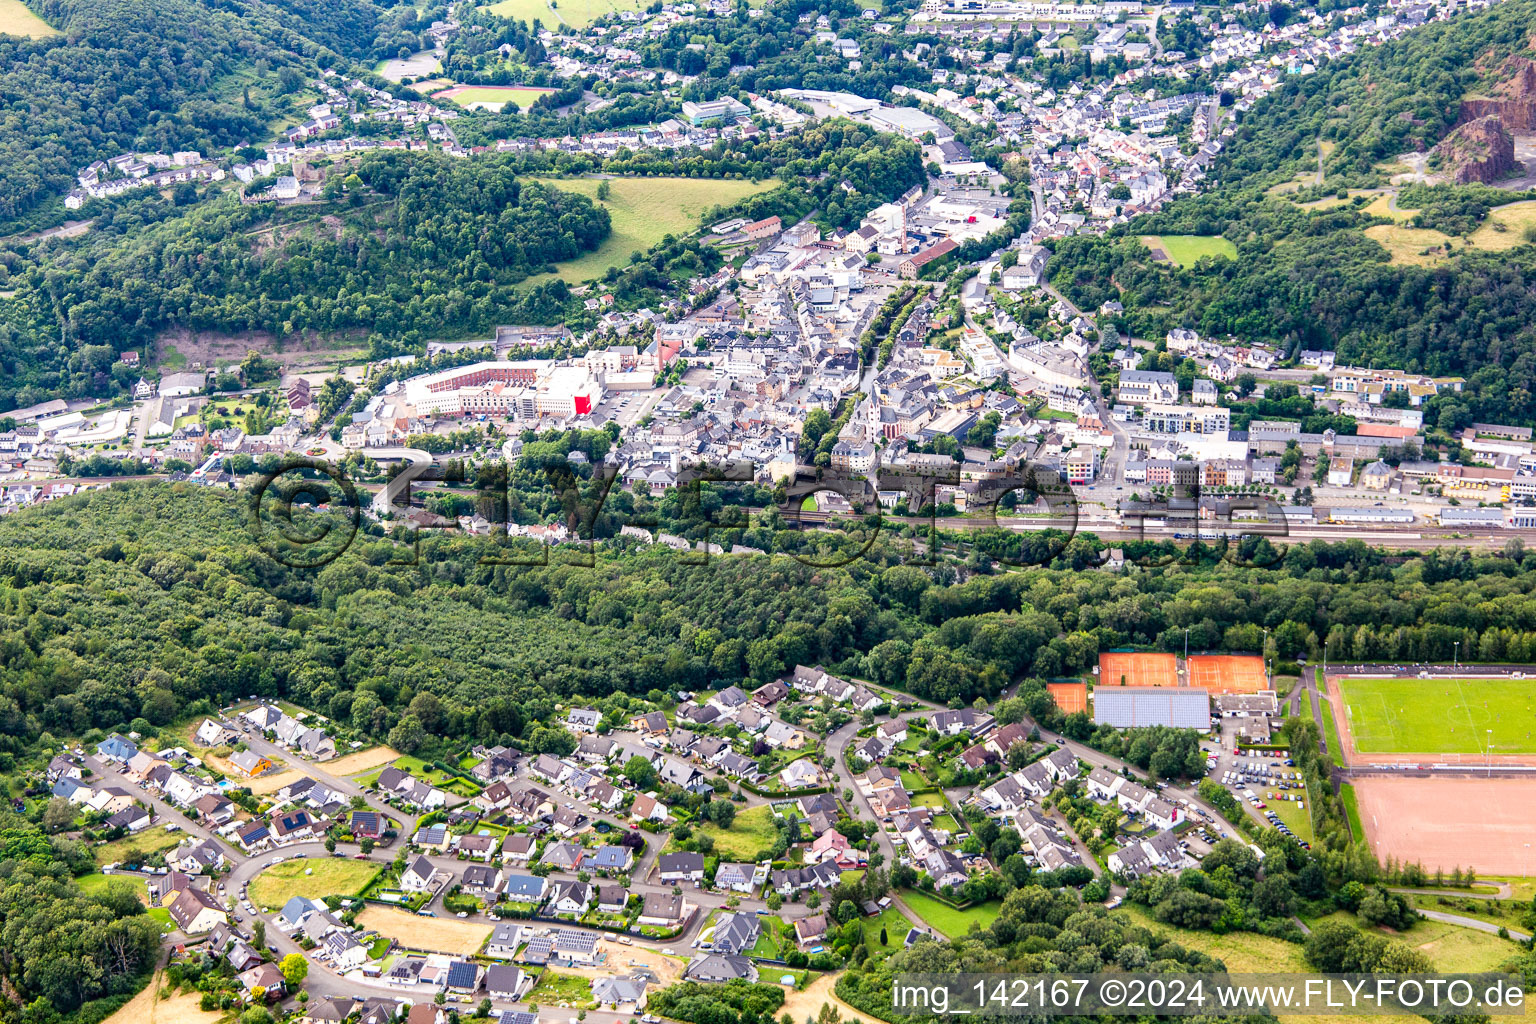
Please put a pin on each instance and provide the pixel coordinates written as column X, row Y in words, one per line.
column 1187, row 250
column 1439, row 716
column 643, row 211
column 1070, row 697
column 1137, row 668
column 1227, row 673
column 1450, row 822
column 17, row 19
column 492, row 97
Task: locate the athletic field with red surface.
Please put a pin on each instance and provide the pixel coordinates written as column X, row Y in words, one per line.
column 1138, row 668
column 1070, row 697
column 1441, row 822
column 1227, row 673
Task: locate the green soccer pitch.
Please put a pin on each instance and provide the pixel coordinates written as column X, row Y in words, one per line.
column 1441, row 716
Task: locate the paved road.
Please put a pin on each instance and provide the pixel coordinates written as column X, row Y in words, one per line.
column 1473, row 923
column 164, row 812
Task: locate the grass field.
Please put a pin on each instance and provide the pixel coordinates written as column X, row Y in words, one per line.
column 1441, row 716
column 17, row 19
column 752, row 830
column 946, row 919
column 1186, row 250
column 896, row 927
column 361, row 761
column 556, row 988
column 1335, row 746
column 1298, row 819
column 329, row 876
column 1450, row 947
column 1352, row 810
column 643, row 211
column 151, row 840
column 491, row 97
column 576, row 13
column 1506, row 226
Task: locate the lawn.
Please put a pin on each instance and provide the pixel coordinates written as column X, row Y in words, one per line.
column 1335, row 746
column 1450, row 947
column 771, row 943
column 95, row 883
column 328, row 876
column 1414, row 247
column 912, row 781
column 1299, row 820
column 1506, row 227
column 896, row 927
column 151, row 840
column 432, row 776
column 1352, row 811
column 945, row 918
column 554, row 988
column 576, row 13
column 492, row 97
column 1440, row 716
column 1186, row 250
column 1242, row 952
column 752, row 830
column 17, row 19
column 643, row 211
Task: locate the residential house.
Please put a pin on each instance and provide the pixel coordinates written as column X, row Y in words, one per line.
column 682, row 867
column 720, row 967
column 418, row 875
column 196, row 911
column 735, row 933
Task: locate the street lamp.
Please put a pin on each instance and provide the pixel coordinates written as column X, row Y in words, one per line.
column 1490, row 753
column 1186, row 643
column 1456, row 656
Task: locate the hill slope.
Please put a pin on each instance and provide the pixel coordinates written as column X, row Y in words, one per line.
column 174, row 74
column 1309, row 276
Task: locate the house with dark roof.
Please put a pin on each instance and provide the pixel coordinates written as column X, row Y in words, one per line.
column 682, row 867
column 735, row 933
column 524, row 888
column 506, row 981
column 720, row 967
column 196, row 911
column 463, row 976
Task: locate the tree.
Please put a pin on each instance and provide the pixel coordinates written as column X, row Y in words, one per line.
column 604, row 190
column 58, row 815
column 295, row 968
column 408, row 735
column 259, row 932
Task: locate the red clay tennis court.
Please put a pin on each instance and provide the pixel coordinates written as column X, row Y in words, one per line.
column 1227, row 673
column 1137, row 668
column 1070, row 697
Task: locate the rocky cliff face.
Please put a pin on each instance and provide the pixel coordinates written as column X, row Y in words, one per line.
column 1479, row 151
column 1513, row 101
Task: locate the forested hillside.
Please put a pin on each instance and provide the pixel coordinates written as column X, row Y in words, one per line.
column 420, row 241
column 174, row 74
column 1308, row 276
column 146, row 599
column 407, row 246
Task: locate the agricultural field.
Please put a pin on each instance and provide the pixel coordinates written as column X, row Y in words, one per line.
column 17, row 19
column 752, row 830
column 1440, row 716
column 1186, row 250
column 944, row 918
column 643, row 211
column 312, row 878
column 575, row 13
column 492, row 97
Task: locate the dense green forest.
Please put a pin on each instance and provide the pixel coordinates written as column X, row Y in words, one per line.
column 176, row 74
column 1310, row 278
column 420, row 240
column 142, row 600
column 61, row 949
